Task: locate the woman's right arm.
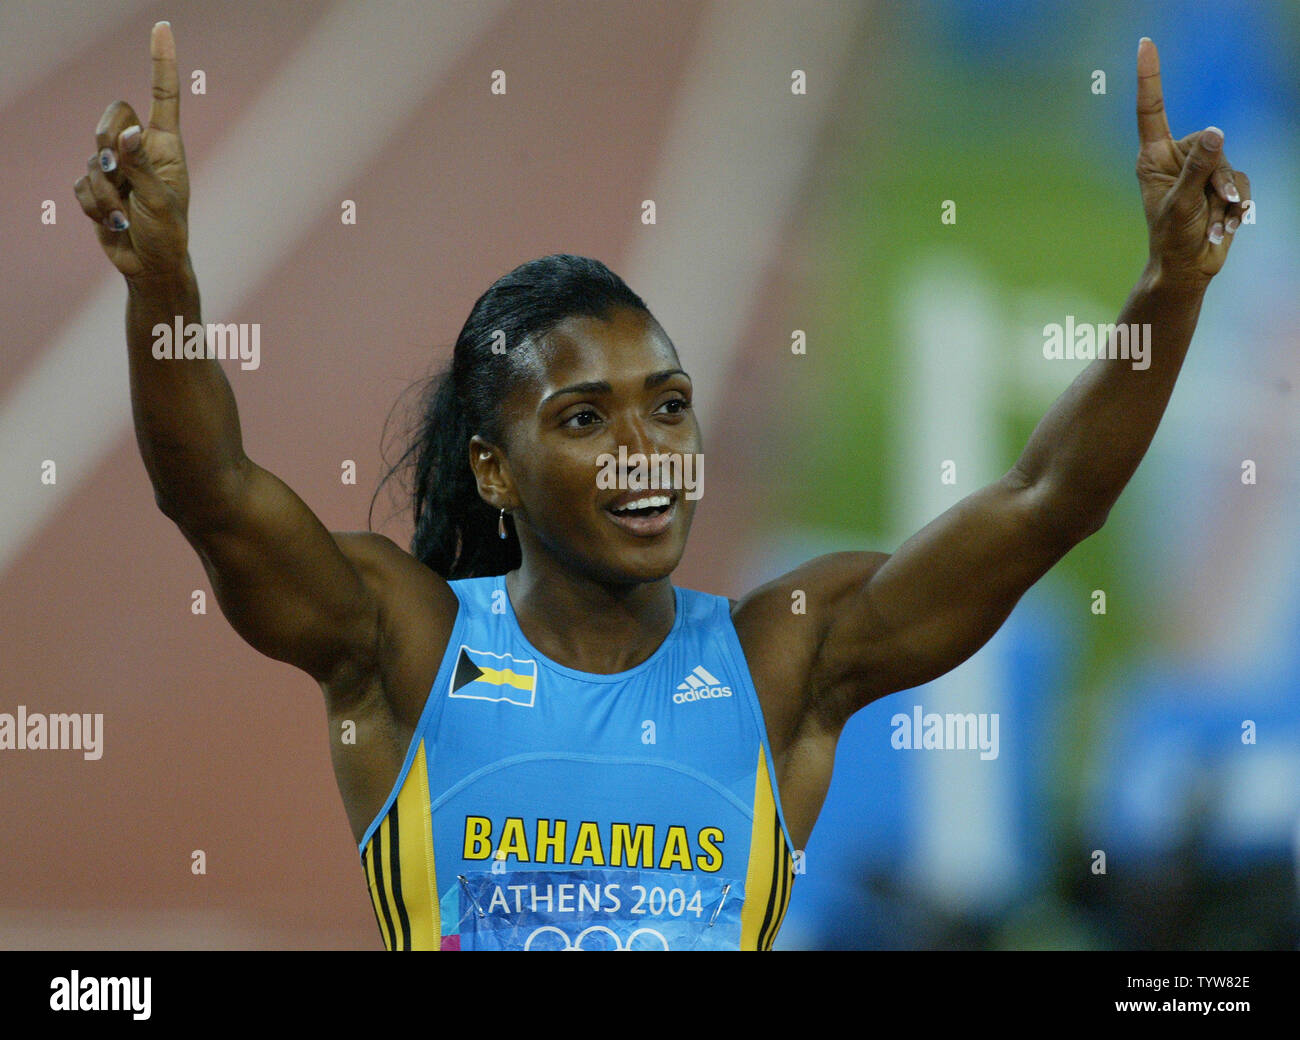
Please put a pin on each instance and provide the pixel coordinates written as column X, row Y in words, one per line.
column 283, row 581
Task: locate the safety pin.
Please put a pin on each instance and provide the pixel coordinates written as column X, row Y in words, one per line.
column 464, row 882
column 725, row 889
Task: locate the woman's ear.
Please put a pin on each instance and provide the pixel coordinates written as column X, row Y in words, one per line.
column 488, row 464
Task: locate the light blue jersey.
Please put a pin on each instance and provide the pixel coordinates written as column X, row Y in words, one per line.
column 541, row 807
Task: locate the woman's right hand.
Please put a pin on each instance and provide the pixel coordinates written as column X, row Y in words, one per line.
column 140, row 202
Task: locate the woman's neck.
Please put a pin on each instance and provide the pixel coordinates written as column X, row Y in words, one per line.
column 588, row 625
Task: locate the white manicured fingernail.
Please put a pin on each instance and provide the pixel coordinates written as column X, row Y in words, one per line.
column 1216, row 233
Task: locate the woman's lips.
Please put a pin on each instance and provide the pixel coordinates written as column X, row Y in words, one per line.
column 645, row 526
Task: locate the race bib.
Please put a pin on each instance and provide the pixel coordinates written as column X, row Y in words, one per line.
column 598, row 910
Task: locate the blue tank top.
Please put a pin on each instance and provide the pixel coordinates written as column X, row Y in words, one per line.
column 543, row 808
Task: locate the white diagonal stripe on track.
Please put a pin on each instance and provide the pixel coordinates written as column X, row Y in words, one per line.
column 74, row 405
column 736, row 153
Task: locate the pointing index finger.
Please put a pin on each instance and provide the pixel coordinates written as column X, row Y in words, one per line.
column 1152, row 125
column 165, row 110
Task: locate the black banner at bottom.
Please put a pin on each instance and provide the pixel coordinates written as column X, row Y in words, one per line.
column 81, row 991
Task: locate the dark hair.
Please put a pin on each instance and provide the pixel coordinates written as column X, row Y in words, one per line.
column 455, row 530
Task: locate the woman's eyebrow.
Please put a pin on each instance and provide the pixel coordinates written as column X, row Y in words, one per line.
column 599, row 386
column 654, row 380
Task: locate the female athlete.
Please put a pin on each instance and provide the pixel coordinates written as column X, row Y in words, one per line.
column 540, row 741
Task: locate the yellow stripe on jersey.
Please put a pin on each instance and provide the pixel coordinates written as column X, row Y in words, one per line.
column 399, row 867
column 505, row 677
column 771, row 869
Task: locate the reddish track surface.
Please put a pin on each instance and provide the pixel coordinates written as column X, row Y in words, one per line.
column 207, row 744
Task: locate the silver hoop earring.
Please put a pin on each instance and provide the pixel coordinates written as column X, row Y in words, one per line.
column 501, row 524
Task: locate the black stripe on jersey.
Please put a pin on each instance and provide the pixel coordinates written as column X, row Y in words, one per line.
column 369, row 849
column 379, row 885
column 783, row 884
column 788, row 871
column 771, row 891
column 395, row 860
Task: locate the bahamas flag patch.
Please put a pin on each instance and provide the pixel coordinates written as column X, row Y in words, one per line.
column 484, row 676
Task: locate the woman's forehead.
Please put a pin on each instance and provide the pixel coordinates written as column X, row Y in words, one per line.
column 630, row 344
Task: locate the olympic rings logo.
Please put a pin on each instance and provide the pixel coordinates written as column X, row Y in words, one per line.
column 576, row 944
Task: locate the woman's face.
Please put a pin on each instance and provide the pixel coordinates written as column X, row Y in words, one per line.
column 601, row 386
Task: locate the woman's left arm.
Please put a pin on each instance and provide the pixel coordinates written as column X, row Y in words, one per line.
column 887, row 623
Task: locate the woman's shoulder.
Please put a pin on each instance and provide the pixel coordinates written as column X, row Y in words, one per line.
column 417, row 608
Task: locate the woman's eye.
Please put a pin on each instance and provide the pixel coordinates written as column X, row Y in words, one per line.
column 587, row 416
column 678, row 405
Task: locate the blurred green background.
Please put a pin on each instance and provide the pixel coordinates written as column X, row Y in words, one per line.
column 1121, row 732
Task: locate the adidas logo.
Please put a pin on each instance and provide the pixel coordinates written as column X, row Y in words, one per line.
column 699, row 686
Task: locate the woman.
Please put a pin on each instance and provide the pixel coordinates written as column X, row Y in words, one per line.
column 541, row 743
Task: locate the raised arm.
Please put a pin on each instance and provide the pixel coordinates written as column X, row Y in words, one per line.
column 885, row 623
column 290, row 588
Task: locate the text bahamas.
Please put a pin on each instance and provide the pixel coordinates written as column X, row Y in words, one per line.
column 644, row 845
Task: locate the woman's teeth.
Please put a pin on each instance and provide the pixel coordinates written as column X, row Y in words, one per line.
column 651, row 502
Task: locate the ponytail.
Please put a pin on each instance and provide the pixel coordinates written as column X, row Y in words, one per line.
column 455, row 530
